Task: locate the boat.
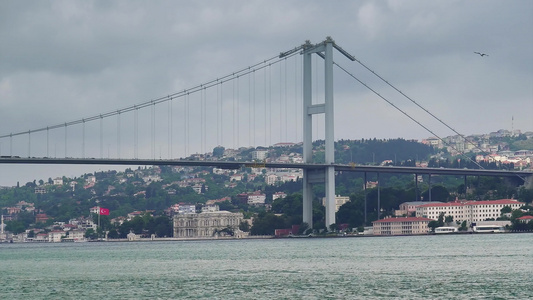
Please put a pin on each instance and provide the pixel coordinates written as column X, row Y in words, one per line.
column 446, row 229
column 488, row 229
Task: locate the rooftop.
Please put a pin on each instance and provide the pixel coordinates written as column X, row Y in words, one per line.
column 405, row 219
column 464, row 203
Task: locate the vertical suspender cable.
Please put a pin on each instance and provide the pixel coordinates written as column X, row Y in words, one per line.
column 270, row 104
column 286, row 101
column 65, row 140
column 118, row 134
column 221, row 115
column 29, row 143
column 202, row 120
column 254, row 115
column 185, row 125
column 238, row 111
column 280, row 104
column 249, row 109
column 296, row 118
column 234, row 127
column 47, row 142
column 153, row 129
column 202, row 99
column 101, row 137
column 171, row 125
column 186, row 112
column 218, row 127
column 265, row 105
column 205, row 121
column 135, row 133
column 83, row 140
column 204, row 114
column 317, row 136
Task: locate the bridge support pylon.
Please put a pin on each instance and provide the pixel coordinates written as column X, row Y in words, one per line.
column 325, row 175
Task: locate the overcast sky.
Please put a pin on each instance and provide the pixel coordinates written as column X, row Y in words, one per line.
column 63, row 61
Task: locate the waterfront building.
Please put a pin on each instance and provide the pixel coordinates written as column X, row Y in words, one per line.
column 525, row 219
column 205, row 224
column 409, row 208
column 469, row 211
column 56, row 236
column 401, row 226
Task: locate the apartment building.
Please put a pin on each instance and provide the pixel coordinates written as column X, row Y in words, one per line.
column 469, row 211
column 401, row 226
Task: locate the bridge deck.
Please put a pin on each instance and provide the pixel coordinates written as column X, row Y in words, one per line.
column 239, row 164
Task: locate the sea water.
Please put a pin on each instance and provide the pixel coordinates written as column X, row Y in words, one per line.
column 471, row 266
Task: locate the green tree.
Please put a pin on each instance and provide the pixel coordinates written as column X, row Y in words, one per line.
column 163, row 226
column 113, row 234
column 244, row 226
column 506, row 209
column 267, row 223
column 448, row 219
column 438, row 193
column 91, row 234
column 433, row 224
column 218, row 151
column 463, row 226
column 15, row 227
column 441, row 219
column 352, row 212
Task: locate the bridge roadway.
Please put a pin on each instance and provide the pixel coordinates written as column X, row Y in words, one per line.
column 238, row 165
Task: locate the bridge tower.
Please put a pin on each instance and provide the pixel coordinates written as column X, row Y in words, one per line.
column 323, row 174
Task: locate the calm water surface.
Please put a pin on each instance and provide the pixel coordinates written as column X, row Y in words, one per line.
column 492, row 266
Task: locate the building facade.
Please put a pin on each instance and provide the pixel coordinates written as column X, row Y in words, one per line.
column 206, row 224
column 257, row 198
column 401, row 226
column 408, row 209
column 469, row 211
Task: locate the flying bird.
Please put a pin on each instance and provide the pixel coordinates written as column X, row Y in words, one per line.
column 481, row 54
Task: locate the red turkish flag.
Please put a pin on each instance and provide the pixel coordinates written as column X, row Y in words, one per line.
column 104, row 211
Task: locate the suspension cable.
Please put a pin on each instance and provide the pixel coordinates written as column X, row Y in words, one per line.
column 419, row 106
column 403, row 112
column 197, row 88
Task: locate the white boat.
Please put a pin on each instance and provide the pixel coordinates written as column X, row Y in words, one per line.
column 444, row 229
column 488, row 228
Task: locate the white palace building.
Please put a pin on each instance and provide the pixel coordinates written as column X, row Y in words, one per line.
column 205, row 224
column 469, row 211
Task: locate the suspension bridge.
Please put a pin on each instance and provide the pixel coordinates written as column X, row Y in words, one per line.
column 288, row 97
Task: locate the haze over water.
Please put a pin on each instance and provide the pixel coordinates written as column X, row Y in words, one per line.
column 491, row 266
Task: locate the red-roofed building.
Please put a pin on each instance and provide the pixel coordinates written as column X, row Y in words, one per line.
column 41, row 218
column 401, row 226
column 525, row 219
column 469, row 211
